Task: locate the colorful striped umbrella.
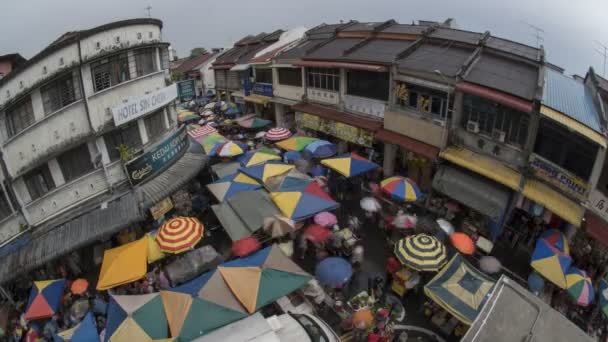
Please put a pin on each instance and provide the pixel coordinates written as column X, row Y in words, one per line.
column 257, row 157
column 228, row 149
column 262, row 172
column 580, row 286
column 421, row 252
column 550, row 262
column 350, row 164
column 228, row 186
column 557, row 239
column 299, row 205
column 200, row 132
column 44, row 299
column 210, row 141
column 136, row 318
column 179, row 234
column 320, row 149
column 277, row 134
column 296, row 143
column 254, row 123
column 401, row 188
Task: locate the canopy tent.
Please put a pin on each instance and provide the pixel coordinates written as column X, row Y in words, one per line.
column 85, row 331
column 550, row 262
column 292, row 180
column 295, row 143
column 136, row 318
column 257, row 157
column 44, row 300
column 299, row 205
column 421, row 252
column 350, row 164
column 460, row 289
column 226, row 187
column 179, row 234
column 262, row 172
column 123, row 264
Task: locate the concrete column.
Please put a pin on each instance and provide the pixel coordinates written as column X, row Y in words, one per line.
column 166, row 114
column 103, row 149
column 596, row 172
column 37, row 105
column 141, row 125
column 56, row 172
column 279, row 110
column 457, row 111
column 390, row 153
column 158, row 62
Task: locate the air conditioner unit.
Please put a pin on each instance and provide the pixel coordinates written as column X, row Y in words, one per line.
column 473, row 126
column 498, row 135
column 439, row 122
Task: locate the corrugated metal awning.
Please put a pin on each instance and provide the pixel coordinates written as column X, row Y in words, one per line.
column 495, row 95
column 482, row 165
column 346, row 65
column 170, row 180
column 554, row 201
column 408, row 143
column 573, row 125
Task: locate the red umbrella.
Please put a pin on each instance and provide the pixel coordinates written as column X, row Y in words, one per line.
column 463, row 243
column 245, row 246
column 317, row 233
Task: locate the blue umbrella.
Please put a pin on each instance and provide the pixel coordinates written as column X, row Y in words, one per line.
column 292, row 155
column 320, row 149
column 333, row 271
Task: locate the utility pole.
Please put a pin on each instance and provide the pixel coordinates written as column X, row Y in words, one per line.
column 149, row 10
column 603, row 51
column 538, row 33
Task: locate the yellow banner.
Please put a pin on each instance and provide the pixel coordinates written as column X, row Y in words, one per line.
column 161, row 208
column 309, row 121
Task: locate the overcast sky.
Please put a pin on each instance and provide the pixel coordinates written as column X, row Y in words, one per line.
column 570, row 27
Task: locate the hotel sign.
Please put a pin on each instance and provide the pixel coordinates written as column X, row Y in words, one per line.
column 559, row 178
column 138, row 106
column 158, row 158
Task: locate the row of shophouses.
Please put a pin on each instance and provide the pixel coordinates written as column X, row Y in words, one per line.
column 486, row 121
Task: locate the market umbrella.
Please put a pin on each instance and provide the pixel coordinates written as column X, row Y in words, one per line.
column 254, row 122
column 257, row 157
column 292, row 155
column 296, row 143
column 136, row 318
column 123, row 264
column 557, row 239
column 535, row 282
column 179, row 234
column 320, row 149
column 299, row 205
column 45, row 297
column 550, row 262
column 209, row 105
column 401, row 188
column 230, row 185
column 333, row 271
column 317, row 233
column 79, row 286
column 363, row 318
column 318, row 171
column 187, row 116
column 292, row 180
column 445, row 226
column 326, row 219
column 370, row 204
column 490, row 264
column 277, row 134
column 85, row 331
column 403, row 221
column 199, row 132
column 603, row 294
column 262, row 172
column 463, row 243
column 579, row 286
column 79, row 308
column 421, row 252
column 230, row 149
column 210, row 141
column 245, row 246
column 350, row 164
column 154, row 252
column 278, row 225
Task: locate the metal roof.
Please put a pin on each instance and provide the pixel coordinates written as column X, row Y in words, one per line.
column 507, row 75
column 405, row 29
column 571, row 98
column 334, row 49
column 429, row 57
column 512, row 47
column 362, row 27
column 457, row 35
column 299, row 50
column 379, row 50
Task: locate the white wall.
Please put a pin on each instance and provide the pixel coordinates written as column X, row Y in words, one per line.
column 128, row 38
column 10, row 227
column 364, row 105
column 207, row 75
column 323, row 96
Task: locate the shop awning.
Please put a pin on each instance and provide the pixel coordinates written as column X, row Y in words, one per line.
column 47, row 244
column 478, row 193
column 495, row 95
column 554, row 201
column 596, row 227
column 346, row 65
column 573, row 125
column 482, row 165
column 336, row 115
column 240, row 67
column 408, row 143
column 259, row 99
column 222, row 66
column 170, row 180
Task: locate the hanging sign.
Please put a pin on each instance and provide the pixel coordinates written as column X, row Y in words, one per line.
column 138, row 106
column 562, row 179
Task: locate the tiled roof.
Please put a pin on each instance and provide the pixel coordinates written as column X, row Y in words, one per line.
column 467, row 37
column 334, row 49
column 193, row 63
column 405, row 29
column 429, row 57
column 299, row 50
column 379, row 50
column 361, row 27
column 514, row 48
column 572, row 98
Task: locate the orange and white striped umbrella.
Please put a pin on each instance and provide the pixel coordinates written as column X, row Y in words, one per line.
column 179, row 234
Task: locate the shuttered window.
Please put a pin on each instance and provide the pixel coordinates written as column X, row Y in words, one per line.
column 75, row 163
column 60, row 92
column 19, row 116
column 110, row 71
column 39, row 182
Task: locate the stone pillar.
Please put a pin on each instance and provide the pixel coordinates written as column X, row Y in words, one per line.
column 390, row 154
column 456, row 111
column 279, row 116
column 141, row 125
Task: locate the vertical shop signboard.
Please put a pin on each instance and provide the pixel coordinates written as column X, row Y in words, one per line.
column 186, row 90
column 161, row 208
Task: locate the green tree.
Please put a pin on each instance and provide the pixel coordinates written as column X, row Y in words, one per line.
column 197, row 51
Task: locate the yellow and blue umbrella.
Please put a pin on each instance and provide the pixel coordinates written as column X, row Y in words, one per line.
column 262, row 172
column 550, row 262
column 228, row 186
column 421, row 252
column 350, row 164
column 580, row 287
column 210, row 141
column 296, row 143
column 320, row 149
column 44, row 299
column 299, row 205
column 557, row 239
column 401, row 188
column 227, row 149
column 136, row 318
column 257, row 157
column 187, row 116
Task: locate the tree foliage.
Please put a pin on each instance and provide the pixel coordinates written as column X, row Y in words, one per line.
column 197, row 51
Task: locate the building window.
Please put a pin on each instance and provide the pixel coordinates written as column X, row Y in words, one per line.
column 124, row 136
column 19, row 116
column 263, row 75
column 155, row 124
column 290, row 76
column 164, row 58
column 75, row 163
column 110, row 71
column 60, row 93
column 145, row 61
column 39, row 182
column 424, row 100
column 496, row 121
column 369, row 84
column 565, row 149
column 324, row 78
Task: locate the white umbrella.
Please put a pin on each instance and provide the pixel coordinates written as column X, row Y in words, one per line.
column 403, row 221
column 446, row 226
column 490, row 264
column 370, row 204
column 209, row 105
column 207, row 112
column 260, row 135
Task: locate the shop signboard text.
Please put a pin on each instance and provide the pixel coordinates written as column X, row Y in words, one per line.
column 142, row 105
column 186, row 90
column 567, row 182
